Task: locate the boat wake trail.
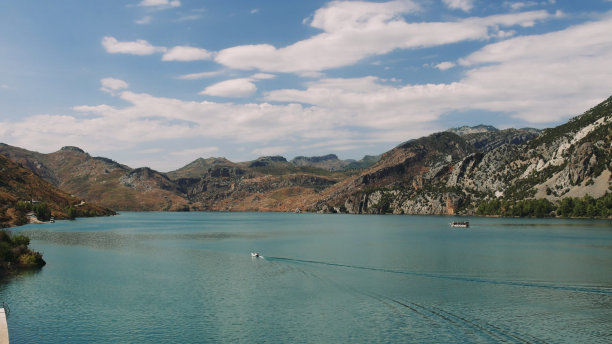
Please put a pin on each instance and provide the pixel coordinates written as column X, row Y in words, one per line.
column 527, row 284
column 474, row 327
column 478, row 330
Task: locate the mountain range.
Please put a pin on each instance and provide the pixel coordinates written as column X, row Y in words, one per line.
column 449, row 172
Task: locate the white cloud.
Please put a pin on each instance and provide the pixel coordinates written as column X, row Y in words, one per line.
column 138, row 47
column 464, row 5
column 370, row 103
column 524, row 19
column 345, row 24
column 186, row 53
column 501, row 34
column 539, row 79
column 160, row 3
column 142, row 47
column 445, row 65
column 518, row 5
column 355, row 30
column 149, row 119
column 112, row 85
column 588, row 39
column 263, row 76
column 542, row 78
column 203, row 75
column 235, row 88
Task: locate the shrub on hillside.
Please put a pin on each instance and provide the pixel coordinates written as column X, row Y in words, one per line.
column 14, row 253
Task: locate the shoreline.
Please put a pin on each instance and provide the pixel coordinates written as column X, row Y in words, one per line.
column 118, row 212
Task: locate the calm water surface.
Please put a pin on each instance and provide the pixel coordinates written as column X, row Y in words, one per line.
column 189, row 278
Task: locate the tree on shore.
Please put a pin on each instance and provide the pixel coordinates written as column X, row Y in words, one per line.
column 586, row 206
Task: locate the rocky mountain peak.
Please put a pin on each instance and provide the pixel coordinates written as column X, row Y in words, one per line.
column 267, row 160
column 314, row 159
column 481, row 128
column 275, row 158
column 328, row 162
column 72, row 149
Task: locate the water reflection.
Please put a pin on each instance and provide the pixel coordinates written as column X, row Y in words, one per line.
column 118, row 240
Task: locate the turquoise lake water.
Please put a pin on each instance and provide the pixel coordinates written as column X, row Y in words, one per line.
column 190, row 278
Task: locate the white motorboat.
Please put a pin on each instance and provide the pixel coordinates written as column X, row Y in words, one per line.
column 256, row 255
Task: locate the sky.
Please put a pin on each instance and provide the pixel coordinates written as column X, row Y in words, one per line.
column 160, row 83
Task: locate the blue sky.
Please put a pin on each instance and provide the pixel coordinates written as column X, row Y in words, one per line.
column 160, row 83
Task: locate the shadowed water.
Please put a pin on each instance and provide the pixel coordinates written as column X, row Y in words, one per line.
column 189, row 278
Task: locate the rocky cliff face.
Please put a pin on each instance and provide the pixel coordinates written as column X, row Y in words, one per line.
column 447, row 173
column 487, row 141
column 564, row 160
column 402, row 181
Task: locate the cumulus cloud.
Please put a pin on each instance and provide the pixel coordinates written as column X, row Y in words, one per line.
column 464, row 5
column 587, row 40
column 235, row 88
column 112, row 85
column 355, row 30
column 160, row 3
column 263, row 76
column 142, row 47
column 370, row 102
column 445, row 65
column 138, row 47
column 519, row 5
column 147, row 118
column 202, row 75
column 538, row 78
column 541, row 78
column 186, row 53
